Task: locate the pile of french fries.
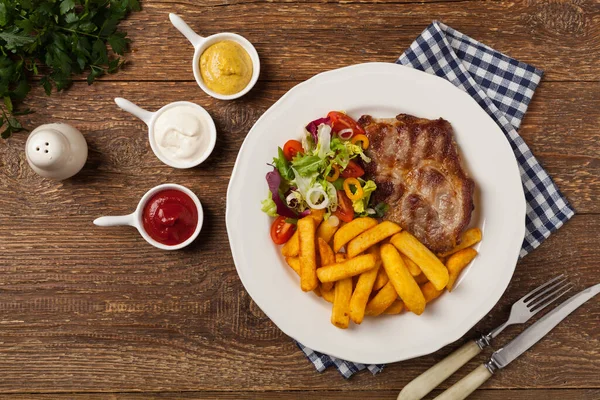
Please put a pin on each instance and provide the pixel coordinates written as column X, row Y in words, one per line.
column 368, row 268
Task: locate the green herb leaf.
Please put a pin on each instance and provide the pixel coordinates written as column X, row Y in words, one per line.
column 14, row 124
column 66, row 6
column 57, row 38
column 45, row 82
column 99, row 53
column 3, row 14
column 8, row 103
column 6, row 133
column 70, row 17
column 20, row 91
column 117, row 42
column 15, row 38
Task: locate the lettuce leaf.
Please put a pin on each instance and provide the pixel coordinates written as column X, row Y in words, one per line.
column 283, row 165
column 324, row 143
column 308, row 164
column 361, row 204
column 342, row 155
column 269, row 207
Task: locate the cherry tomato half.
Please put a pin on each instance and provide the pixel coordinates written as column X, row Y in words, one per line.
column 340, row 121
column 291, row 148
column 344, row 210
column 352, row 170
column 281, row 231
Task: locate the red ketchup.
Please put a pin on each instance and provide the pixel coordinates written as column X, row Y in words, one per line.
column 170, row 217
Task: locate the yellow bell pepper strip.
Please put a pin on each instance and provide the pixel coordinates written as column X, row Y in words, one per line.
column 361, row 138
column 336, row 174
column 358, row 194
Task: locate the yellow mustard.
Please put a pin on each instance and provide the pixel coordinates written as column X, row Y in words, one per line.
column 226, row 67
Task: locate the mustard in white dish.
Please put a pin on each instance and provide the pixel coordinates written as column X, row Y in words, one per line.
column 226, row 67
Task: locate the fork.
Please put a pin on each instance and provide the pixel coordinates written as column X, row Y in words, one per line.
column 521, row 311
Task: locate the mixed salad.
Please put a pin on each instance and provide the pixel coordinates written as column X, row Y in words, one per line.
column 321, row 172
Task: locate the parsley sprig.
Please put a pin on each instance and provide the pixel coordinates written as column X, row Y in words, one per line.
column 55, row 39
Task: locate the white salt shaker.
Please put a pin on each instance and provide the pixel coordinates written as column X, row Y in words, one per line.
column 56, row 151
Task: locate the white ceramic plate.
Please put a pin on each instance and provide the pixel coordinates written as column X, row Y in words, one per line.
column 381, row 90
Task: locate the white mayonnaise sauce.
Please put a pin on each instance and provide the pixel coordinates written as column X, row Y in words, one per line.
column 181, row 133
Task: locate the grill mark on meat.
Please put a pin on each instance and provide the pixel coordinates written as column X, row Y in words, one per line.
column 416, row 166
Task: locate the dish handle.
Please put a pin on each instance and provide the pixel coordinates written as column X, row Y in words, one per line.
column 195, row 39
column 134, row 109
column 116, row 220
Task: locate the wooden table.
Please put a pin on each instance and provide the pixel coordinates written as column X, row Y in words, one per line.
column 88, row 311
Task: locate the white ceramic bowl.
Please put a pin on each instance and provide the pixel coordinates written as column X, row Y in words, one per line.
column 135, row 219
column 150, row 118
column 202, row 43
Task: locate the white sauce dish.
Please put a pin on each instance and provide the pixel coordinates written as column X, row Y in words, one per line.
column 136, row 219
column 202, row 43
column 181, row 134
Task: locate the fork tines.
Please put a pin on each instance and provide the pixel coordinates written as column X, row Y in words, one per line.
column 546, row 294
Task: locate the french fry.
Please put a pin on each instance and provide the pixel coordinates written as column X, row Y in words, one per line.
column 308, row 254
column 291, row 248
column 317, row 291
column 421, row 279
column 340, row 314
column 469, row 238
column 327, row 258
column 326, row 231
column 457, row 262
column 347, row 269
column 430, row 292
column 413, row 268
column 371, row 236
column 340, row 257
column 294, row 263
column 381, row 280
column 327, row 255
column 363, row 289
column 351, row 230
column 317, row 216
column 328, row 295
column 382, row 300
column 396, row 307
column 431, row 266
column 403, row 281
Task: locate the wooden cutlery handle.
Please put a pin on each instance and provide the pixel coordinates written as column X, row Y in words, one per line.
column 430, row 379
column 467, row 385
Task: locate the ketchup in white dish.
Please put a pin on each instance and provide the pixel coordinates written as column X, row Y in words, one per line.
column 170, row 217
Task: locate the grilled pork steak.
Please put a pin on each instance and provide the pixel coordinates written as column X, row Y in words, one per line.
column 416, row 167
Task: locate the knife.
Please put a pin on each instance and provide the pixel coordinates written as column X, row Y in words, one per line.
column 517, row 346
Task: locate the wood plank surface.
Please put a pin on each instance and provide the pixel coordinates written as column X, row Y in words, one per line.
column 562, row 394
column 562, row 37
column 106, row 317
column 87, row 312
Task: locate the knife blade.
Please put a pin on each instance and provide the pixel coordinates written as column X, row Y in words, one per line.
column 538, row 330
column 530, row 336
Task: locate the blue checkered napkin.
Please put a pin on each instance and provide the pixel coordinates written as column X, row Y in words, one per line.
column 346, row 368
column 503, row 87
